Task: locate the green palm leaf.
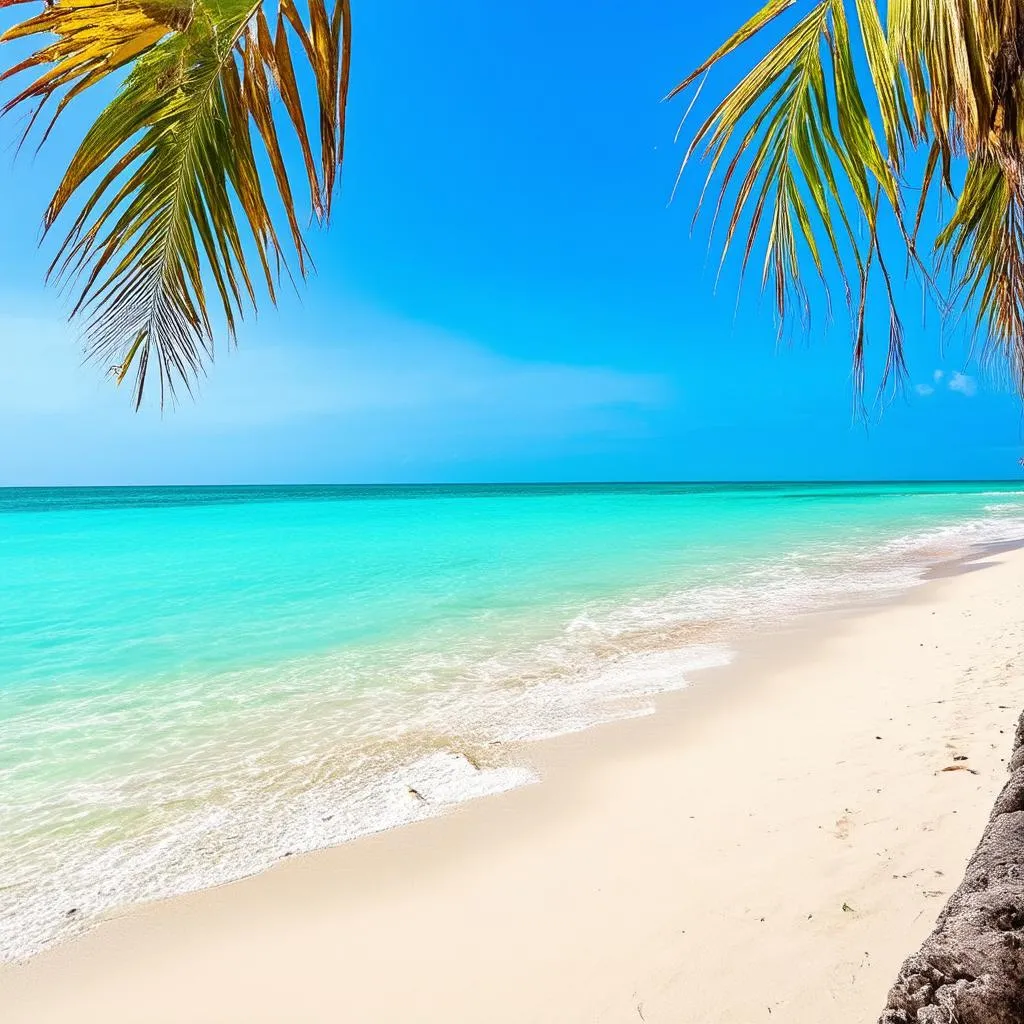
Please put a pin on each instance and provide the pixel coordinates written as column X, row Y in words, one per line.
column 174, row 170
column 984, row 243
column 796, row 131
column 816, row 168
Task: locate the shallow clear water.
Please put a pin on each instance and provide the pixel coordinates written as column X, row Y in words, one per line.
column 196, row 682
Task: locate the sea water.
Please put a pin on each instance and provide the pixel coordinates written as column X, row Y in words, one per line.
column 196, row 682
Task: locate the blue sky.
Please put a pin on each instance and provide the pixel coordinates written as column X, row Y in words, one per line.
column 505, row 294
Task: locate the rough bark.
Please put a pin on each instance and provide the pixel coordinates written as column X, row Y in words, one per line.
column 970, row 970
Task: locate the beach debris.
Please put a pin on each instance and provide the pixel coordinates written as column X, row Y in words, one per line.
column 847, row 909
column 932, row 893
column 71, row 912
column 417, row 794
column 959, row 757
column 960, row 768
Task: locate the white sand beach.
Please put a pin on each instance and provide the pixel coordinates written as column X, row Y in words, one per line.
column 769, row 846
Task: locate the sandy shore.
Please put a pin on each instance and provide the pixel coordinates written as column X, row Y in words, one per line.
column 769, row 846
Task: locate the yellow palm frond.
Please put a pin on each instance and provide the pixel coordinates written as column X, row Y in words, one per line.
column 174, row 194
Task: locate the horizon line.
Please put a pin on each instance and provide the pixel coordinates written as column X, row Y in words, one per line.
column 527, row 483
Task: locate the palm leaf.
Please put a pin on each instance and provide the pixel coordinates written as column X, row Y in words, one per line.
column 819, row 168
column 984, row 242
column 795, row 134
column 175, row 203
column 747, row 31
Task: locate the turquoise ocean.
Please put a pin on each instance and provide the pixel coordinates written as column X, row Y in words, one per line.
column 196, row 682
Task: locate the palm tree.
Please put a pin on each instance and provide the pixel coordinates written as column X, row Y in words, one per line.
column 172, row 180
column 830, row 148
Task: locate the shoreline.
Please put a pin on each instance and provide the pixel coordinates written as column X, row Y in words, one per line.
column 593, row 896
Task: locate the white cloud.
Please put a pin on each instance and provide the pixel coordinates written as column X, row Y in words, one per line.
column 924, row 389
column 961, row 382
column 938, row 375
column 407, row 372
column 375, row 365
column 289, row 404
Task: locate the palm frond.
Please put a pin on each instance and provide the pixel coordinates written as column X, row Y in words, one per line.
column 984, row 242
column 745, row 32
column 963, row 61
column 888, row 84
column 944, row 75
column 173, row 171
column 796, row 134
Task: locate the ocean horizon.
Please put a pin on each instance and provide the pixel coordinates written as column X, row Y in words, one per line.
column 198, row 681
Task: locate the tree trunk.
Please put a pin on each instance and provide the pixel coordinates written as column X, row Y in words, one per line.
column 970, row 970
